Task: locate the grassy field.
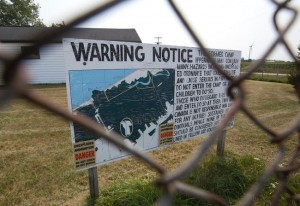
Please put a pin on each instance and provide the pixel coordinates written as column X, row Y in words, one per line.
column 269, row 78
column 36, row 161
column 271, row 67
column 272, row 71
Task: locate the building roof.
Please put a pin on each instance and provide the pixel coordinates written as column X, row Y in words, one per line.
column 31, row 34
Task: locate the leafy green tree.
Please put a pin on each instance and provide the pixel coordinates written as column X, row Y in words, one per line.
column 19, row 13
column 294, row 75
column 62, row 24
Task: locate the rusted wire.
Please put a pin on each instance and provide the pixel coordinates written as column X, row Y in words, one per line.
column 16, row 82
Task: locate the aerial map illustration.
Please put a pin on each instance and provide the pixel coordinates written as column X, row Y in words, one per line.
column 132, row 103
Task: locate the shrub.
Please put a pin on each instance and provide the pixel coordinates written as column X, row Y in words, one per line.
column 294, row 75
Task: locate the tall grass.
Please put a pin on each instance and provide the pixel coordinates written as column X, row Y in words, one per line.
column 229, row 178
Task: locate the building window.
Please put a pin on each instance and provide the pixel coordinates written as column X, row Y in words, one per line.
column 30, row 52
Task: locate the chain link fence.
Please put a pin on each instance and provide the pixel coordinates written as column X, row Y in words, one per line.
column 15, row 85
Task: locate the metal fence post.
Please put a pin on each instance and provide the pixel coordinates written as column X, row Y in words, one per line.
column 221, row 144
column 93, row 182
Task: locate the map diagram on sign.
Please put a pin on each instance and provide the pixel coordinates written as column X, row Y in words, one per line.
column 134, row 106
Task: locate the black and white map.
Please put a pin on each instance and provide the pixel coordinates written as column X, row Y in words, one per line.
column 133, row 107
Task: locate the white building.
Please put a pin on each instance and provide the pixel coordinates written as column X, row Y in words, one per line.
column 46, row 64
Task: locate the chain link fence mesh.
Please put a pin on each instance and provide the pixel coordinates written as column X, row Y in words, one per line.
column 15, row 85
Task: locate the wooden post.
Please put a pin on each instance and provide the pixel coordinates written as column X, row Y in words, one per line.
column 221, row 144
column 93, row 182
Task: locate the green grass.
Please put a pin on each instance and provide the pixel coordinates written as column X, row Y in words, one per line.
column 37, row 168
column 269, row 78
column 271, row 67
column 134, row 192
column 229, row 178
column 261, row 74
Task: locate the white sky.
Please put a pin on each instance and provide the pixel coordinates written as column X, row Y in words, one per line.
column 221, row 24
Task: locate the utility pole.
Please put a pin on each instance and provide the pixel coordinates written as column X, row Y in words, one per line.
column 250, row 49
column 158, row 37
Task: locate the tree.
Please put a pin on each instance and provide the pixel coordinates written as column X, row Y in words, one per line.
column 19, row 13
column 294, row 75
column 62, row 24
column 298, row 56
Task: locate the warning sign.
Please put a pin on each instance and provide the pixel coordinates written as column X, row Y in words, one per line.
column 151, row 95
column 166, row 134
column 84, row 154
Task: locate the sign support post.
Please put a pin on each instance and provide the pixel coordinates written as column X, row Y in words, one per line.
column 93, row 182
column 221, row 144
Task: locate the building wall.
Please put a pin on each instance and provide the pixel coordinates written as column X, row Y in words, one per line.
column 48, row 69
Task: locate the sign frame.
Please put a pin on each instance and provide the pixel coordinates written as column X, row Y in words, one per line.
column 145, row 92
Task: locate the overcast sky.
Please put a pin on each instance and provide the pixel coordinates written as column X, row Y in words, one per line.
column 222, row 24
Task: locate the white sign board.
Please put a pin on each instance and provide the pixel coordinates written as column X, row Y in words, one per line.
column 152, row 95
